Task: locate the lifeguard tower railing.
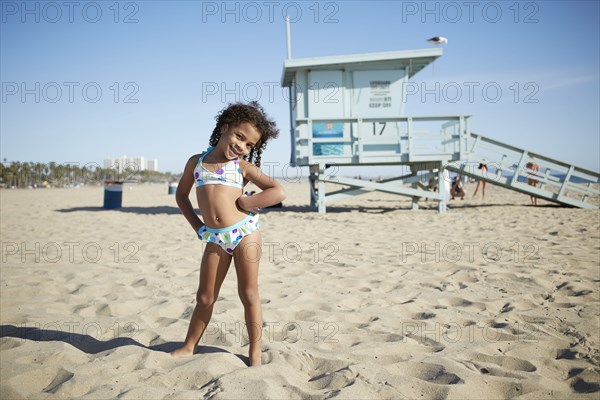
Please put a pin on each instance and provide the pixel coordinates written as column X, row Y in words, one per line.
column 432, row 146
column 368, row 144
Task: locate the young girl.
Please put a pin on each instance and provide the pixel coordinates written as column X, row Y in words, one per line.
column 230, row 225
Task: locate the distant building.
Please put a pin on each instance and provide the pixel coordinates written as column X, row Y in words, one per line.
column 131, row 163
column 152, row 165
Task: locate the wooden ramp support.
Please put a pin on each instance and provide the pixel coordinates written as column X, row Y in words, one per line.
column 319, row 176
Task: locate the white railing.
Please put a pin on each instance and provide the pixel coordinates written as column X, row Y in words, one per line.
column 382, row 140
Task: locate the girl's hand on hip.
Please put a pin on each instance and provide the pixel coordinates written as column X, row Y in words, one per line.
column 241, row 204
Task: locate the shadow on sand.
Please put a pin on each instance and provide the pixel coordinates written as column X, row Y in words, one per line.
column 90, row 345
column 135, row 210
column 374, row 209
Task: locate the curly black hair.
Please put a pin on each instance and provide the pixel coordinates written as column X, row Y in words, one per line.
column 253, row 113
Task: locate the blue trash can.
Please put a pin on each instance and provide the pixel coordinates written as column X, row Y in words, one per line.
column 172, row 187
column 113, row 195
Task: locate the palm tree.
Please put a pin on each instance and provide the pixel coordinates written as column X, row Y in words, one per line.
column 59, row 173
column 38, row 168
column 26, row 173
column 51, row 173
column 47, row 172
column 15, row 169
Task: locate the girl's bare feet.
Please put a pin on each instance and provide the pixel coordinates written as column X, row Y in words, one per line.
column 256, row 358
column 182, row 352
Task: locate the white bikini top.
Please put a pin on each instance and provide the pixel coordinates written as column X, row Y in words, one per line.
column 229, row 174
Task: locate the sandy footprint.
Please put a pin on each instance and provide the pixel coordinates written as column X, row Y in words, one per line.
column 431, row 344
column 506, row 362
column 433, row 373
column 62, row 376
column 460, row 302
column 140, row 282
column 423, row 315
column 584, row 380
column 335, row 380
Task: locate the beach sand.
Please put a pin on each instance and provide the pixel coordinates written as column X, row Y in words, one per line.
column 494, row 299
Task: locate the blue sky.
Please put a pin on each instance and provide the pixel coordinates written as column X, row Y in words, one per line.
column 154, row 60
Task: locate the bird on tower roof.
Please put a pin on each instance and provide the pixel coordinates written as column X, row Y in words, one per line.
column 437, row 40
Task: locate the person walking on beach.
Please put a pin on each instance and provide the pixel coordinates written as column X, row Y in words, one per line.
column 230, row 226
column 531, row 181
column 457, row 189
column 483, row 168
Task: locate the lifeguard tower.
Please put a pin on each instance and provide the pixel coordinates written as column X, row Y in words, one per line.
column 349, row 111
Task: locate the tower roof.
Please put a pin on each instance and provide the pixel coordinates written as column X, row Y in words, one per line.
column 415, row 60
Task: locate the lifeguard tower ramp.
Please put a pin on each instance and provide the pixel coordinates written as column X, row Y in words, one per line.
column 348, row 111
column 512, row 168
